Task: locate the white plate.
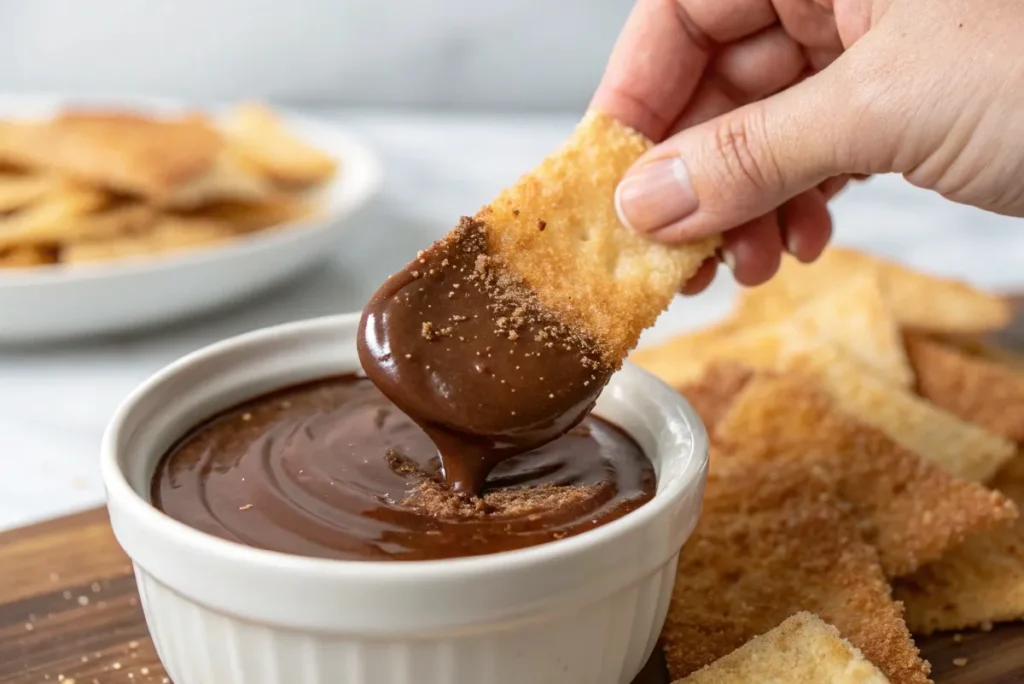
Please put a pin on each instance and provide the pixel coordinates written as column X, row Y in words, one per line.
column 59, row 302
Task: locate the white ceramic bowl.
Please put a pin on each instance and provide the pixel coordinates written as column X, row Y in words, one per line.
column 62, row 302
column 580, row 610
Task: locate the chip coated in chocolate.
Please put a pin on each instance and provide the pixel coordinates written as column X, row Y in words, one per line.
column 467, row 352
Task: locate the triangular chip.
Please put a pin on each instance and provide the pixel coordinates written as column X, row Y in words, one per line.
column 167, row 234
column 682, row 358
column 47, row 220
column 685, row 359
column 909, row 508
column 965, row 450
column 27, row 256
column 253, row 216
column 802, row 650
column 919, row 300
column 62, row 219
column 713, row 394
column 772, row 542
column 857, row 317
column 854, row 316
column 259, row 138
column 114, row 221
column 227, row 180
column 980, row 391
column 980, row 582
column 973, row 345
column 546, row 276
column 18, row 190
column 127, row 152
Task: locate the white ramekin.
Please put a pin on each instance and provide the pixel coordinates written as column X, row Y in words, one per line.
column 584, row 609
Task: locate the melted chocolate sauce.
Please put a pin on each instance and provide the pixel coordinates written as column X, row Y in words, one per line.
column 468, row 354
column 333, row 469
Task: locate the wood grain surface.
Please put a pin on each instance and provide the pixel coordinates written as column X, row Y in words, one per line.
column 69, row 611
column 69, row 607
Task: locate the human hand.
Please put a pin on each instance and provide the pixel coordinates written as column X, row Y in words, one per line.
column 764, row 108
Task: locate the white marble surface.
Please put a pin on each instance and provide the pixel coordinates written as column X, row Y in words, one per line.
column 54, row 402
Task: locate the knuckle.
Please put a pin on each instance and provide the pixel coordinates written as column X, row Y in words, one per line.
column 873, row 100
column 740, row 142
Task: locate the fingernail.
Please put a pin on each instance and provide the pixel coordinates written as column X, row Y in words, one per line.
column 655, row 194
column 796, row 245
column 728, row 258
column 792, row 241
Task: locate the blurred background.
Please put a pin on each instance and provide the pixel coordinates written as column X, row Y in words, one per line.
column 441, row 54
column 457, row 97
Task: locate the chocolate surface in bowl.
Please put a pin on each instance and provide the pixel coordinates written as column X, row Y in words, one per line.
column 333, row 469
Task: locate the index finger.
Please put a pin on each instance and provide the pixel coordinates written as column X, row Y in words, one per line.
column 662, row 53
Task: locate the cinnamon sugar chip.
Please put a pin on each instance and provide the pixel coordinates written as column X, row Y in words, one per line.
column 713, row 394
column 261, row 139
column 770, row 543
column 855, row 317
column 980, row 391
column 674, row 360
column 978, row 583
column 127, row 152
column 962, row 448
column 511, row 302
column 802, row 650
column 858, row 317
column 20, row 190
column 974, row 346
column 167, row 234
column 685, row 359
column 594, row 274
column 919, row 300
column 910, row 509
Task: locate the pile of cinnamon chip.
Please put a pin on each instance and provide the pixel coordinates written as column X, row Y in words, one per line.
column 866, row 472
column 106, row 184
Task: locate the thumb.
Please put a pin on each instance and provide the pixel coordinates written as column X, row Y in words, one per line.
column 729, row 170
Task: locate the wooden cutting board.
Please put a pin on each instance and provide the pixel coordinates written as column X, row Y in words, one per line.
column 68, row 607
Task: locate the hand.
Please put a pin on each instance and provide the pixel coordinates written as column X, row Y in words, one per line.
column 766, row 107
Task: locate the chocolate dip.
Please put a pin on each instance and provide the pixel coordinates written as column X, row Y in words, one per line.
column 333, row 469
column 467, row 352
